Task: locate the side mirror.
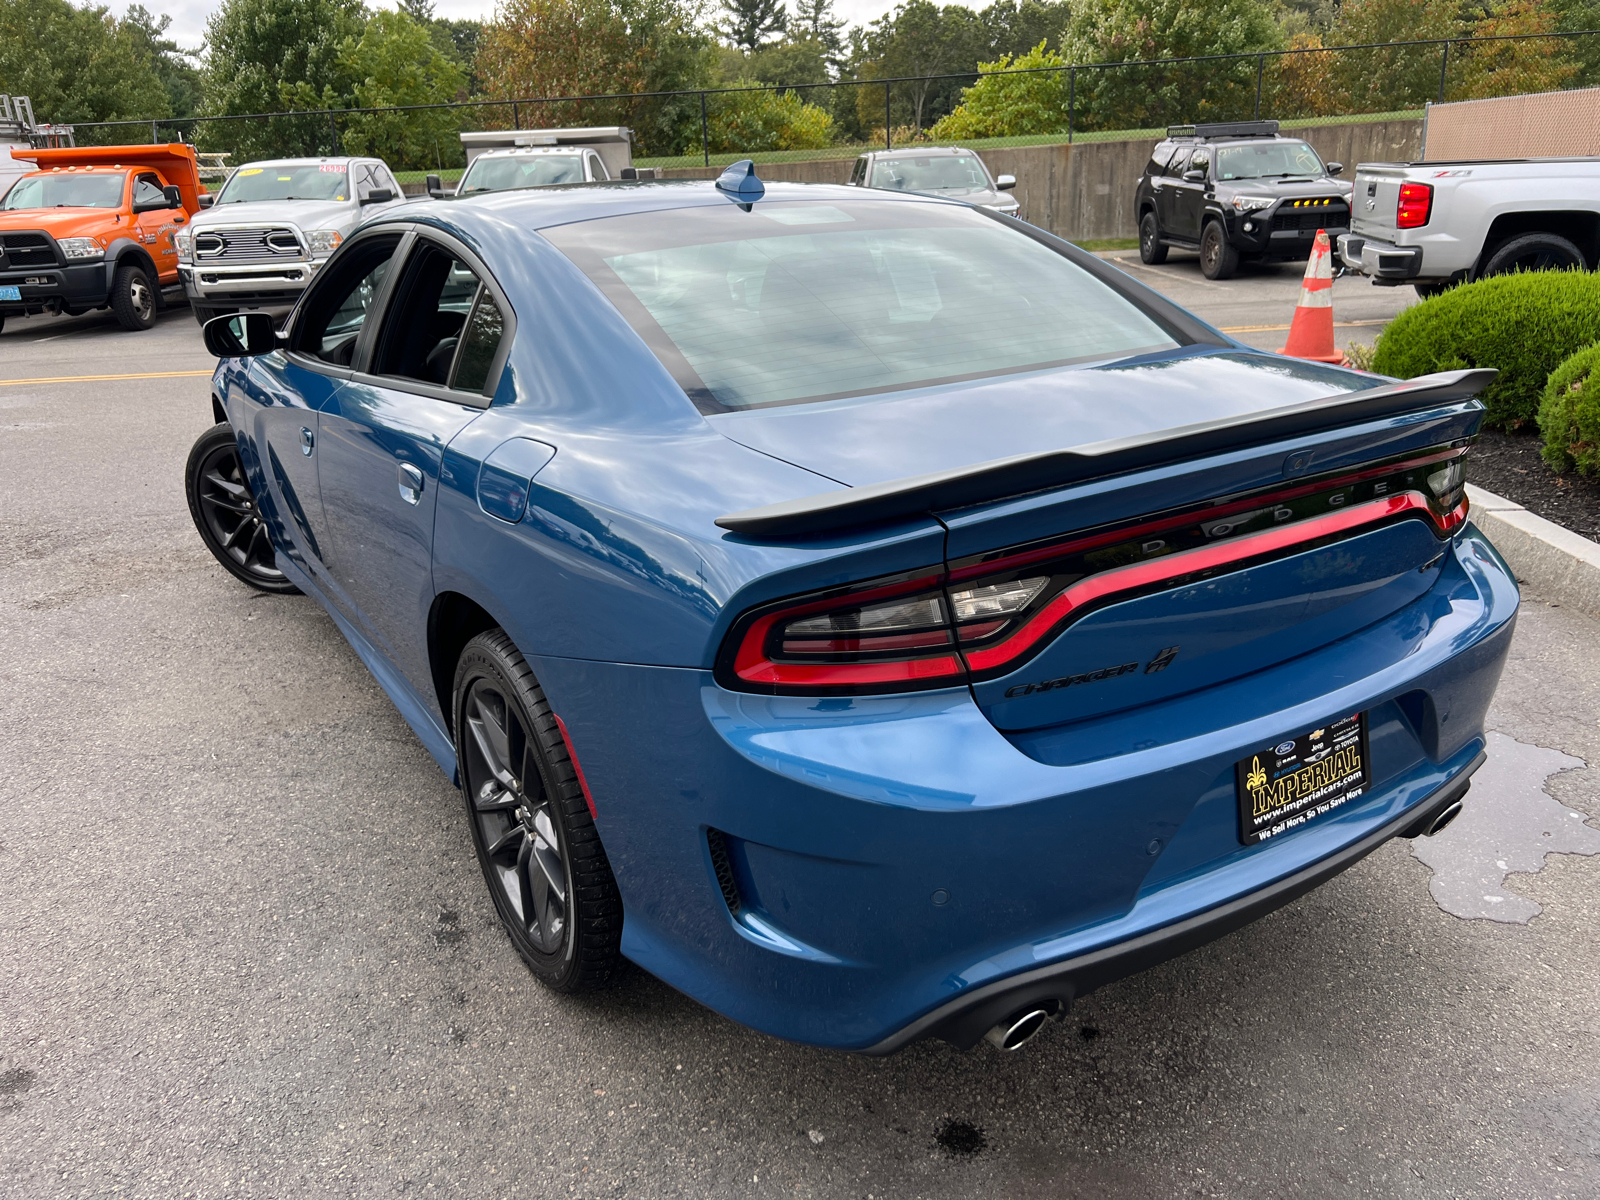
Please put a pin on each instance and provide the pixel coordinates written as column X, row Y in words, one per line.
column 1194, row 176
column 629, row 173
column 1335, row 168
column 433, row 187
column 242, row 335
column 207, row 199
column 173, row 195
column 1005, row 182
column 378, row 196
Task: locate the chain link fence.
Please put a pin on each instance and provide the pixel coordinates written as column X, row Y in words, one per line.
column 1301, row 86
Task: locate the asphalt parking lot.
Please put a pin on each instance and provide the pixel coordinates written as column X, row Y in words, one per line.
column 248, row 952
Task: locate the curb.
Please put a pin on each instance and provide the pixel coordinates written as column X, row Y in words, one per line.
column 1554, row 561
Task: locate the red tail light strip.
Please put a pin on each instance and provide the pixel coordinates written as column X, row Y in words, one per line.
column 1097, row 588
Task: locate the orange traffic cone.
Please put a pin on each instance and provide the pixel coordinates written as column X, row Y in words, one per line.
column 1311, row 331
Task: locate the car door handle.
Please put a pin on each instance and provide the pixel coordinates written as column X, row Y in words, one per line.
column 307, row 441
column 410, row 483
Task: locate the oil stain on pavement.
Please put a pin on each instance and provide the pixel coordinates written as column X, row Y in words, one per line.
column 1508, row 824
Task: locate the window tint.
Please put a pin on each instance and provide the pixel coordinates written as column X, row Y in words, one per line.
column 425, row 321
column 479, row 344
column 338, row 304
column 147, row 190
column 811, row 301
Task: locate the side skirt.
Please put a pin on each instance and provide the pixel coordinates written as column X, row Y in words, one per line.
column 404, row 697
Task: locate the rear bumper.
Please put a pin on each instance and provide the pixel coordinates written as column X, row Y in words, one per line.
column 903, row 870
column 1380, row 260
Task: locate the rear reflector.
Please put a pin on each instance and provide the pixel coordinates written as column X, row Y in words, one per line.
column 987, row 615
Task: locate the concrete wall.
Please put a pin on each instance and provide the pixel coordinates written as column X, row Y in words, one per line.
column 1085, row 191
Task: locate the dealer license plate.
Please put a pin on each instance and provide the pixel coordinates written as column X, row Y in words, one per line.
column 1299, row 780
column 10, row 292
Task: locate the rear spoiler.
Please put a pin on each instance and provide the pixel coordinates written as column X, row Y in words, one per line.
column 1021, row 473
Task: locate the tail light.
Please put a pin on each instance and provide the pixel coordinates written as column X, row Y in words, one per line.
column 1415, row 206
column 989, row 614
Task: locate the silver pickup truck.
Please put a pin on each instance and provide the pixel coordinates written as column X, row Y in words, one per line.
column 1436, row 224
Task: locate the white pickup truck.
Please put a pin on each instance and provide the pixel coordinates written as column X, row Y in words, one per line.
column 1436, row 224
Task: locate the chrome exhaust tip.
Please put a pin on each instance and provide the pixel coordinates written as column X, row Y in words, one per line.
column 1443, row 819
column 1017, row 1031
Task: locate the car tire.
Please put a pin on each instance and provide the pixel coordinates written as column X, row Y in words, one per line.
column 1151, row 251
column 1218, row 259
column 203, row 314
column 225, row 512
column 547, row 872
column 133, row 297
column 1533, row 252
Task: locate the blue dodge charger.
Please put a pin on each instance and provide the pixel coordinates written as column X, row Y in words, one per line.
column 866, row 612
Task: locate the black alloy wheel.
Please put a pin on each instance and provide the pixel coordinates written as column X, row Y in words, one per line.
column 537, row 844
column 1218, row 259
column 225, row 512
column 1151, row 250
column 1534, row 252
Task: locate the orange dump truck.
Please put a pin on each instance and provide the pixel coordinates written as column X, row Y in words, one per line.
column 92, row 228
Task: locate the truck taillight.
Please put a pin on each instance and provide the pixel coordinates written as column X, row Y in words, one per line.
column 1415, row 205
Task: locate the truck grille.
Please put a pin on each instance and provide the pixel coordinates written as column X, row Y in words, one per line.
column 28, row 250
column 246, row 245
column 1335, row 215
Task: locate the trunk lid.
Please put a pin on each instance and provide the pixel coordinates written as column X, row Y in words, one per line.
column 1376, row 200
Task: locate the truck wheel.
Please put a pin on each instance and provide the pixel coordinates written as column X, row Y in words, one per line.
column 203, row 315
column 133, row 299
column 1427, row 291
column 1218, row 260
column 1533, row 252
column 1150, row 248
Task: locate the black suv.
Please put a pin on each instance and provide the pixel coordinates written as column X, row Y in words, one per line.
column 1237, row 191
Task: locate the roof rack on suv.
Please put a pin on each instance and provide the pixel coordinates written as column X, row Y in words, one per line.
column 1225, row 129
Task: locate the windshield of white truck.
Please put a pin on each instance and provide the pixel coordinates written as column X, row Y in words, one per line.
column 520, row 171
column 805, row 301
column 316, row 181
column 97, row 190
column 931, row 173
column 1268, row 160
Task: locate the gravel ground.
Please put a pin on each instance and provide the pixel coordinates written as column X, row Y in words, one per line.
column 248, row 953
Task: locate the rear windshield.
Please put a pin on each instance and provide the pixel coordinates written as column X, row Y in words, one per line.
column 1268, row 160
column 532, row 170
column 931, row 173
column 808, row 301
column 313, row 181
column 89, row 190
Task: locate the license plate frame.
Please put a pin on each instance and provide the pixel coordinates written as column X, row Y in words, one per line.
column 10, row 291
column 1286, row 786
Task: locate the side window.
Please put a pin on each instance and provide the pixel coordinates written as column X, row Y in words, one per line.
column 1200, row 161
column 385, row 179
column 479, row 344
column 858, row 172
column 1159, row 158
column 147, row 190
column 366, row 180
column 597, row 168
column 425, row 322
column 1179, row 162
column 336, row 308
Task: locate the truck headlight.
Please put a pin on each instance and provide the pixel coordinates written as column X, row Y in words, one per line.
column 1252, row 203
column 324, row 242
column 183, row 243
column 81, row 248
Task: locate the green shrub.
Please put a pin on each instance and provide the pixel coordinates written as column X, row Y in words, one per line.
column 1524, row 325
column 1569, row 414
column 761, row 121
column 1010, row 105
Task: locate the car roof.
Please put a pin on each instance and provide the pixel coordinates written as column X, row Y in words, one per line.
column 331, row 160
column 918, row 151
column 550, row 205
column 519, row 151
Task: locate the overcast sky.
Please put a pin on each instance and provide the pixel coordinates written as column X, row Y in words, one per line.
column 189, row 16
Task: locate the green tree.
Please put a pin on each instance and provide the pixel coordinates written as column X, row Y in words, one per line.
column 751, row 24
column 1011, row 105
column 1389, row 78
column 277, row 55
column 1015, row 27
column 915, row 41
column 814, row 21
column 751, row 122
column 1115, row 31
column 175, row 67
column 78, row 64
column 457, row 40
column 396, row 63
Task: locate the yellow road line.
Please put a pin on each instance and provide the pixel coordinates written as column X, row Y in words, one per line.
column 106, row 378
column 1277, row 328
